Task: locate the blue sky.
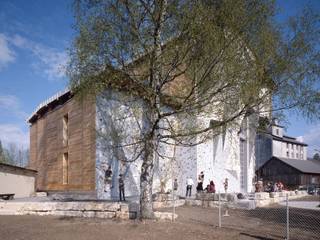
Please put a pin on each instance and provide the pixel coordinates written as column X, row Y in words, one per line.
column 34, row 37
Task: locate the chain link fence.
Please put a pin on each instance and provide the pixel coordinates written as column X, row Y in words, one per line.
column 286, row 219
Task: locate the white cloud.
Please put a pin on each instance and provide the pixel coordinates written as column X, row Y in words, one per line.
column 6, row 54
column 10, row 105
column 49, row 60
column 312, row 138
column 10, row 133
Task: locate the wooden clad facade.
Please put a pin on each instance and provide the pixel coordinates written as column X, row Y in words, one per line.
column 276, row 170
column 61, row 164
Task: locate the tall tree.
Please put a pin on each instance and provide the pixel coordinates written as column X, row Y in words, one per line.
column 2, row 157
column 188, row 59
column 316, row 156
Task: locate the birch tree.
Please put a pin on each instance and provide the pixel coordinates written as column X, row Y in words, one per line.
column 187, row 59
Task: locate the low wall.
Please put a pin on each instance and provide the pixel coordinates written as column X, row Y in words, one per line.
column 263, row 199
column 251, row 201
column 72, row 209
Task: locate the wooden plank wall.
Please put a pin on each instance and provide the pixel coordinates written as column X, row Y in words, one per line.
column 46, row 147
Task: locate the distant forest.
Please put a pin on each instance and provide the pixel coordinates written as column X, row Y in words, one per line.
column 14, row 155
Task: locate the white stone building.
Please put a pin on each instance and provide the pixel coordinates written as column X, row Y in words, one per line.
column 230, row 155
column 274, row 143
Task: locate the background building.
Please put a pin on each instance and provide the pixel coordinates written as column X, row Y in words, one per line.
column 291, row 172
column 17, row 180
column 272, row 142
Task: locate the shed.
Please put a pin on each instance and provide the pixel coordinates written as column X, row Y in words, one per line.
column 291, row 172
column 17, row 180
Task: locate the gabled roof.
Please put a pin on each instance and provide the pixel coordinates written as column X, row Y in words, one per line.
column 304, row 166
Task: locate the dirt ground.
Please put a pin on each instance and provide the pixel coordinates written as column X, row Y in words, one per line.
column 192, row 223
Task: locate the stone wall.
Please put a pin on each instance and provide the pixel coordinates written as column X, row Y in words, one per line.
column 72, row 209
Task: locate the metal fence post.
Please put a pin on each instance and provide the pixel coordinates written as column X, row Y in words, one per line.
column 219, row 202
column 174, row 205
column 287, row 206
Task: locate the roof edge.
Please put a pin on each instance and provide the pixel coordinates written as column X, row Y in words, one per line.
column 64, row 94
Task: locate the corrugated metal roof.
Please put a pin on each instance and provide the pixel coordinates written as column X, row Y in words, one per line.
column 305, row 166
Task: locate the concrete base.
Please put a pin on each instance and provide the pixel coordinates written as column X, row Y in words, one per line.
column 73, row 209
column 265, row 199
column 254, row 200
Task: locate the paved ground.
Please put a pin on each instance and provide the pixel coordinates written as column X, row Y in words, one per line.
column 303, row 204
column 311, row 202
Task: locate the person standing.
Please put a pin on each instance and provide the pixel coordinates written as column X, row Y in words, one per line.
column 200, row 182
column 226, row 184
column 121, row 189
column 189, row 186
column 108, row 178
column 175, row 185
column 211, row 188
column 275, row 187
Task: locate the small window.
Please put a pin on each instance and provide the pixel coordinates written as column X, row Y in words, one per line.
column 292, row 155
column 292, row 146
column 277, row 132
column 287, row 154
column 65, row 130
column 65, row 168
column 297, row 155
column 287, row 145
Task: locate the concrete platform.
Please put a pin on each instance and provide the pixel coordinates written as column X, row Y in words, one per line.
column 311, row 205
column 97, row 209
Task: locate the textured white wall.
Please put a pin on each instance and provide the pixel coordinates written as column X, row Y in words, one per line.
column 20, row 185
column 118, row 121
column 219, row 157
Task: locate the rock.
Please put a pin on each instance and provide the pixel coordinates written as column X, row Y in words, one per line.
column 241, row 196
column 165, row 216
column 41, row 194
column 261, row 196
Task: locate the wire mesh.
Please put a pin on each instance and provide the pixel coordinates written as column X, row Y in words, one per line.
column 297, row 218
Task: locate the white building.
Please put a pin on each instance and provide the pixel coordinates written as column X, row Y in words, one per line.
column 230, row 155
column 274, row 143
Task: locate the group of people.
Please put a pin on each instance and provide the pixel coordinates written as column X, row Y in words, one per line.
column 269, row 187
column 274, row 187
column 199, row 188
column 211, row 188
